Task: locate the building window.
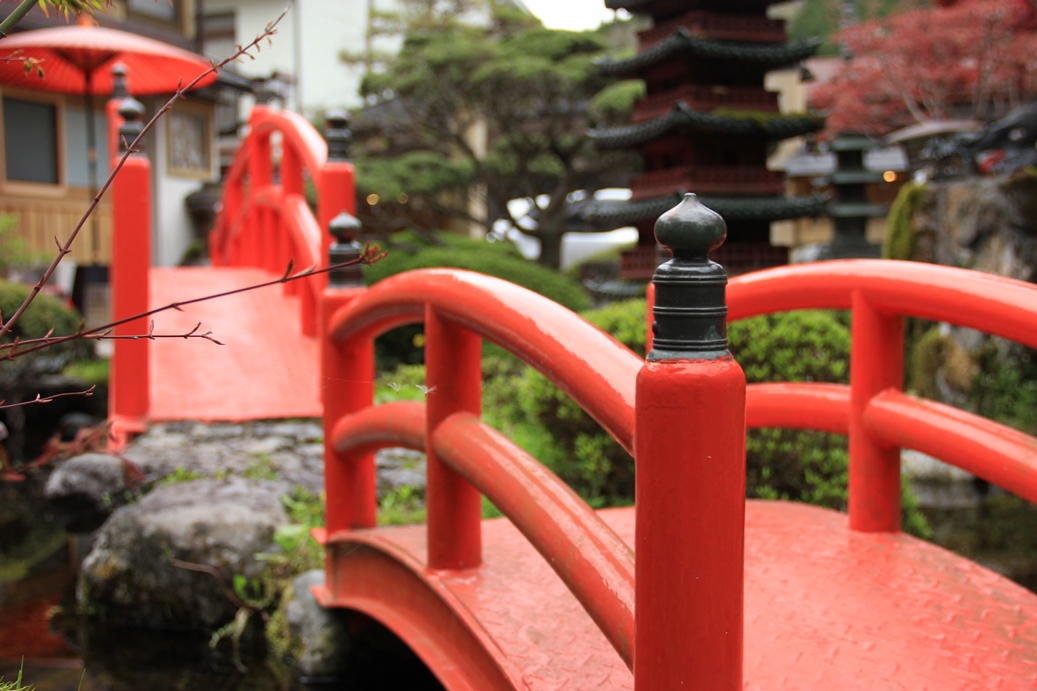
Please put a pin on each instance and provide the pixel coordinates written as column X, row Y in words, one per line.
column 219, row 39
column 163, row 10
column 189, row 142
column 31, row 141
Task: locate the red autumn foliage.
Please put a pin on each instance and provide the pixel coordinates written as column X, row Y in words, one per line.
column 972, row 58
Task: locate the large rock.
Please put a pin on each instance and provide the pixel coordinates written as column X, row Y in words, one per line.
column 169, row 559
column 319, row 637
column 84, row 490
column 988, row 224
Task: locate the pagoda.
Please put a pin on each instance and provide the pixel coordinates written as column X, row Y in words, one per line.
column 706, row 125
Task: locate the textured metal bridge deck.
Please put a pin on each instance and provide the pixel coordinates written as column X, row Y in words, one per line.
column 267, row 369
column 826, row 608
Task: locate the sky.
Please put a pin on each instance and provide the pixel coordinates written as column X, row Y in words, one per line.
column 575, row 15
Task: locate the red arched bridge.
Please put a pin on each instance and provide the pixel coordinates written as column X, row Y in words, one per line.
column 694, row 587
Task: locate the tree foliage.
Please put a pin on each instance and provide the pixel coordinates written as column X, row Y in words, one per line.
column 975, row 58
column 471, row 117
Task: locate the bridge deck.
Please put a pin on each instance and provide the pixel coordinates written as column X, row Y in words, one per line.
column 267, row 369
column 826, row 608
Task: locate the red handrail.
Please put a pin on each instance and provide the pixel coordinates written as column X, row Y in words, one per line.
column 265, row 222
column 458, row 307
column 588, row 556
column 466, row 458
column 879, row 294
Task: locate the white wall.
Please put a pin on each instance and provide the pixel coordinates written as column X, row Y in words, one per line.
column 171, row 229
column 307, row 45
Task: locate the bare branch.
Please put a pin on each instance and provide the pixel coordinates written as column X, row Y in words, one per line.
column 47, row 399
column 371, row 254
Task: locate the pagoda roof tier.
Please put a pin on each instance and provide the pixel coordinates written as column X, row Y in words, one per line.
column 613, row 213
column 683, row 116
column 767, row 56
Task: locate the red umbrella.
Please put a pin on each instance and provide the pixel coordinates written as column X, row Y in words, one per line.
column 78, row 60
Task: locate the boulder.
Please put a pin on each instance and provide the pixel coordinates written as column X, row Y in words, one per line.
column 319, row 637
column 84, row 490
column 169, row 560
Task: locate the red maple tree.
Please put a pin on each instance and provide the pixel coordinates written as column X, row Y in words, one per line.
column 971, row 58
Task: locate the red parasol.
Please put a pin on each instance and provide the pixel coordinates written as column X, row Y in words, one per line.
column 79, row 59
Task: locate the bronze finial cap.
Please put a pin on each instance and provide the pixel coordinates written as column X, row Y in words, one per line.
column 132, row 112
column 338, row 134
column 345, row 228
column 690, row 313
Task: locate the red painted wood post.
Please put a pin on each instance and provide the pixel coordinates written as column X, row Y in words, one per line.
column 347, row 385
column 690, row 488
column 337, row 185
column 453, row 375
column 260, row 175
column 876, row 364
column 131, row 262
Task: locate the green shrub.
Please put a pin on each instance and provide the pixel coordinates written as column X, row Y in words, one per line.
column 411, row 251
column 18, row 376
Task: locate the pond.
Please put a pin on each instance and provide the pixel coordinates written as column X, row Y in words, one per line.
column 58, row 650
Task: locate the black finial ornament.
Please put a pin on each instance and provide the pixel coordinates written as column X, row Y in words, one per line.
column 132, row 112
column 120, row 85
column 338, row 135
column 345, row 227
column 690, row 313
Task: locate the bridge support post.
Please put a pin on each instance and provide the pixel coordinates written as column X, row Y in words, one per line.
column 347, row 385
column 260, row 176
column 453, row 376
column 877, row 347
column 690, row 488
column 131, row 263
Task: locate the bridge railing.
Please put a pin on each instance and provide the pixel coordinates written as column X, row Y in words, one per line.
column 875, row 413
column 467, row 458
column 681, row 414
column 265, row 220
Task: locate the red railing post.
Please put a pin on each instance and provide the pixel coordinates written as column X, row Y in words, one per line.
column 131, row 262
column 876, row 364
column 689, row 443
column 453, row 376
column 260, row 176
column 337, row 184
column 347, row 385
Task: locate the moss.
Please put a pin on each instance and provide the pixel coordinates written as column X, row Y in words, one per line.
column 762, row 118
column 899, row 242
column 927, row 356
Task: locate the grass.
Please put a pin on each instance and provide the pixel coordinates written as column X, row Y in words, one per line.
column 17, row 684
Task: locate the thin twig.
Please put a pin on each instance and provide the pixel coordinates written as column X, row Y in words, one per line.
column 47, row 399
column 16, row 349
column 131, row 148
column 215, row 573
